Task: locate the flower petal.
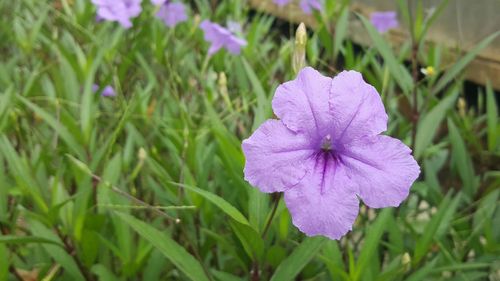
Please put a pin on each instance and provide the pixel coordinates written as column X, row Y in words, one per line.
column 323, row 203
column 302, row 104
column 274, row 157
column 383, row 168
column 357, row 108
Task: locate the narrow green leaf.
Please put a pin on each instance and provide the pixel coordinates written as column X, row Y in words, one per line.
column 430, row 20
column 430, row 122
column 63, row 132
column 492, row 118
column 299, row 258
column 332, row 257
column 4, row 265
column 397, row 70
column 220, row 203
column 371, row 242
column 262, row 110
column 252, row 242
column 59, row 255
column 5, row 104
column 169, row 248
column 22, row 173
column 436, row 226
column 258, row 208
column 340, row 31
column 461, row 159
column 453, row 71
column 11, row 239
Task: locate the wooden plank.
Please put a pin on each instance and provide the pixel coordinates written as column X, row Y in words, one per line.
column 485, row 67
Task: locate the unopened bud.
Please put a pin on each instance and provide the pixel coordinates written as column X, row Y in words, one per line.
column 405, row 261
column 462, row 107
column 142, row 154
column 299, row 53
column 196, row 22
column 222, row 82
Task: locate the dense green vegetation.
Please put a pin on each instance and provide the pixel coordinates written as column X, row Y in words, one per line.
column 148, row 185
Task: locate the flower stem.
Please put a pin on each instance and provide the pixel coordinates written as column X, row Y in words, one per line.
column 415, row 113
column 255, row 266
column 276, row 200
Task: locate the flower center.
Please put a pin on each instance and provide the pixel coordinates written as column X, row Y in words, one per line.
column 326, row 144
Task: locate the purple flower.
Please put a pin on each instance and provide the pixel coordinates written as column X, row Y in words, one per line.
column 326, row 151
column 220, row 37
column 308, row 5
column 118, row 10
column 281, row 3
column 172, row 13
column 108, row 91
column 383, row 21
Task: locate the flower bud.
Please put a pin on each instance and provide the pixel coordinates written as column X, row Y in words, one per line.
column 462, row 107
column 299, row 53
column 142, row 154
column 222, row 83
column 406, row 259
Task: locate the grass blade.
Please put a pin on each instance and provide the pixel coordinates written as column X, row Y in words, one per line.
column 168, row 247
column 401, row 74
column 453, row 71
column 430, row 122
column 299, row 258
column 220, row 203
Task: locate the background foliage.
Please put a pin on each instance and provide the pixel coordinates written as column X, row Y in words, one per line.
column 148, row 185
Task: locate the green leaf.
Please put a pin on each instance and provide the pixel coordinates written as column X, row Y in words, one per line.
column 20, row 170
column 59, row 255
column 220, row 203
column 4, row 265
column 453, row 71
column 436, row 226
column 263, row 106
column 168, row 247
column 430, row 20
column 11, row 239
column 397, row 70
column 371, row 243
column 251, row 241
column 332, row 257
column 492, row 118
column 6, row 100
column 430, row 122
column 340, row 30
column 461, row 159
column 299, row 258
column 258, row 206
column 63, row 132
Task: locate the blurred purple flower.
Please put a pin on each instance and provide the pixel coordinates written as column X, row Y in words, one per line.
column 220, row 37
column 108, row 91
column 281, row 3
column 383, row 21
column 118, row 10
column 309, row 5
column 326, row 151
column 172, row 13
